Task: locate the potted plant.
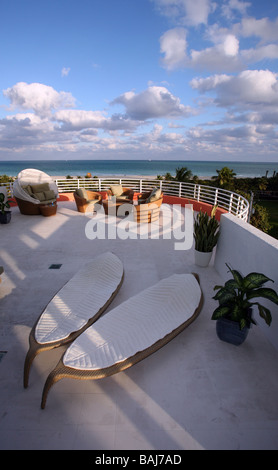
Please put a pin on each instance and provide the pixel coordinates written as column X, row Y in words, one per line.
column 206, row 234
column 5, row 216
column 234, row 314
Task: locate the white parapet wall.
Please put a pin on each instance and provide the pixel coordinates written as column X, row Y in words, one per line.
column 247, row 249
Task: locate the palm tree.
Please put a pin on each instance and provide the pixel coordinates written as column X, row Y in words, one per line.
column 168, row 176
column 183, row 174
column 225, row 177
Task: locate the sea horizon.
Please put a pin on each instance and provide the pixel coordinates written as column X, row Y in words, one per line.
column 133, row 168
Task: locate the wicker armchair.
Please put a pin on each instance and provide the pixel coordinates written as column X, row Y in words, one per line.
column 121, row 194
column 86, row 200
column 148, row 207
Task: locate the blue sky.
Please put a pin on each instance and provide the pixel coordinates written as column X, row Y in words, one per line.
column 136, row 79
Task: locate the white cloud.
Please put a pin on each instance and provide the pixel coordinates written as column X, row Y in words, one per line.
column 26, row 130
column 242, row 140
column 226, row 54
column 230, row 45
column 210, row 83
column 263, row 28
column 173, row 45
column 251, row 97
column 42, row 99
column 189, row 12
column 48, row 124
column 65, row 71
column 261, row 53
column 250, row 88
column 196, row 11
column 79, row 119
column 251, row 125
column 234, row 6
column 155, row 102
column 222, row 56
column 31, row 121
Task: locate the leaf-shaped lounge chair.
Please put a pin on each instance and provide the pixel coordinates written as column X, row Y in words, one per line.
column 131, row 331
column 76, row 306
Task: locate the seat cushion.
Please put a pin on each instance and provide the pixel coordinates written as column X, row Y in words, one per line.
column 49, row 194
column 40, row 196
column 45, row 196
column 154, row 196
column 80, row 299
column 117, row 189
column 136, row 324
column 81, row 192
column 40, row 188
column 28, row 190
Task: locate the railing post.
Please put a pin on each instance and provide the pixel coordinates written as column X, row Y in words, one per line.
column 231, row 201
column 198, row 192
column 180, row 189
column 216, row 196
column 239, row 202
column 241, row 209
column 250, row 207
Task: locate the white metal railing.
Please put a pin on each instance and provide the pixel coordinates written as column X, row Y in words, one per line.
column 228, row 200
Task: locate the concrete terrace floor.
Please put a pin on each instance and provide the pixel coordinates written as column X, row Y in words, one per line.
column 195, row 393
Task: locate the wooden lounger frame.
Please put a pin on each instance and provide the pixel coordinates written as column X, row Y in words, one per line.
column 35, row 348
column 61, row 371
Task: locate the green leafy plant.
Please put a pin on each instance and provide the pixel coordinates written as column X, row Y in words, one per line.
column 235, row 298
column 260, row 218
column 4, row 205
column 6, row 179
column 225, row 178
column 206, row 231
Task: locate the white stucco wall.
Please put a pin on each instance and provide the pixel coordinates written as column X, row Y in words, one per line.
column 248, row 249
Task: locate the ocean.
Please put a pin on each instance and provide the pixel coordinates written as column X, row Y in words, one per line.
column 101, row 168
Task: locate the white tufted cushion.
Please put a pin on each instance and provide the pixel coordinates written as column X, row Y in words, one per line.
column 80, row 299
column 136, row 324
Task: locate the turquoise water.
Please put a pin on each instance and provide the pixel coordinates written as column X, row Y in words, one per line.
column 135, row 167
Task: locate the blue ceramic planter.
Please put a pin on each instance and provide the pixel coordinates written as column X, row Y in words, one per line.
column 229, row 331
column 5, row 218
